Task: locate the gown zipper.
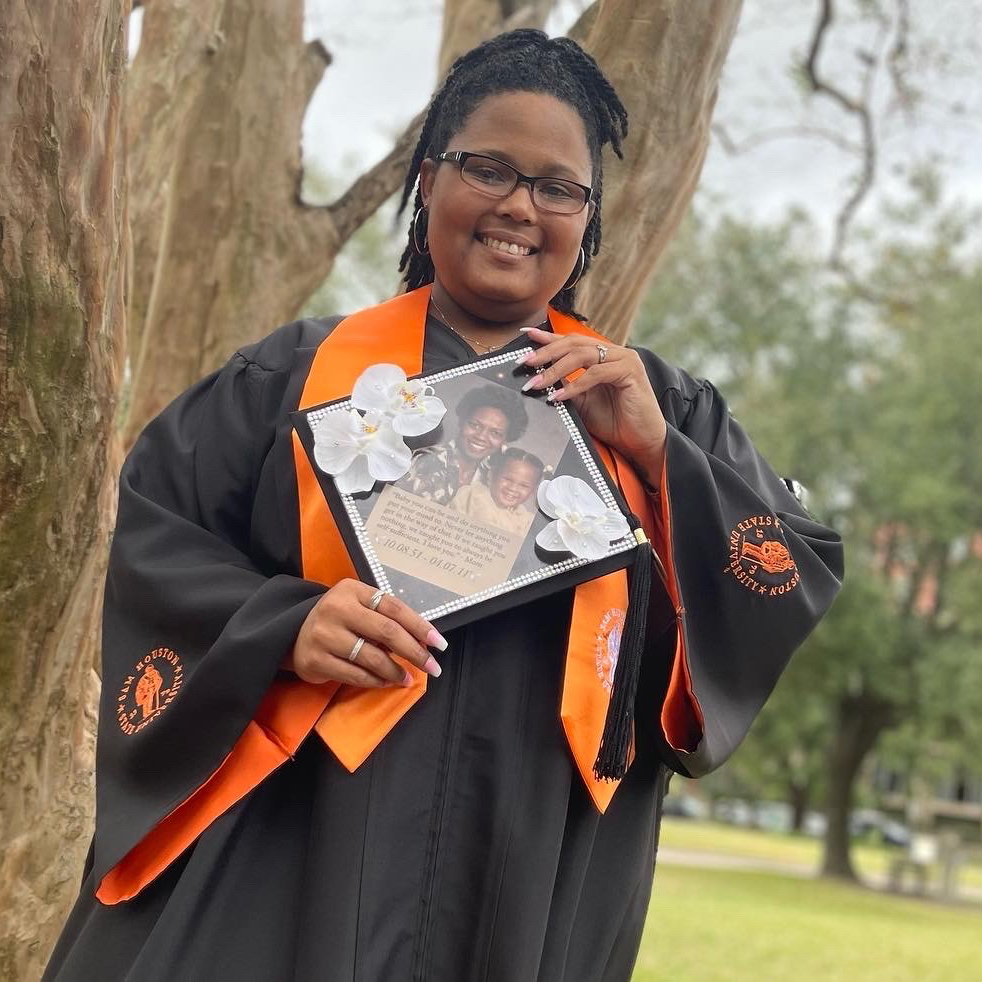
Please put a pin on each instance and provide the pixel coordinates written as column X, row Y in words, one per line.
column 439, row 811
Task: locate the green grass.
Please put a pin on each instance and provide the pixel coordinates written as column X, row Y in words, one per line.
column 732, row 840
column 721, row 926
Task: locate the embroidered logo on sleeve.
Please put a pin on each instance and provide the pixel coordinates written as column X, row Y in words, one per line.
column 151, row 688
column 608, row 645
column 759, row 559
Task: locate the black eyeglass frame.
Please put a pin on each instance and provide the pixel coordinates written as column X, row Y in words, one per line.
column 460, row 157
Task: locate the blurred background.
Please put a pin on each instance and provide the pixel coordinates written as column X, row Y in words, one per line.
column 827, row 277
column 822, row 265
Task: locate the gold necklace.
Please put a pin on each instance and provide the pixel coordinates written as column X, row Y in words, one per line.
column 488, row 348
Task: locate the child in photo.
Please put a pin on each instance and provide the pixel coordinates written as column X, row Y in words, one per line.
column 513, row 478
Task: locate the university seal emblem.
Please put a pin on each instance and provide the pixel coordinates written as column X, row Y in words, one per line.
column 151, row 688
column 759, row 558
column 608, row 645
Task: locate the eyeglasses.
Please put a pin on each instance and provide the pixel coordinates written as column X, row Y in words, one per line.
column 496, row 178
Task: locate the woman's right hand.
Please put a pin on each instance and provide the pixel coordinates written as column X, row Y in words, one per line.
column 342, row 616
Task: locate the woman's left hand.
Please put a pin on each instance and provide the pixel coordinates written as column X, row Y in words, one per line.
column 614, row 397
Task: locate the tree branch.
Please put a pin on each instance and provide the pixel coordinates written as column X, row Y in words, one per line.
column 316, row 59
column 371, row 189
column 867, row 173
column 734, row 148
column 897, row 59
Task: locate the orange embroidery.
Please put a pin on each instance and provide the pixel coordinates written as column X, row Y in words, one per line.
column 148, row 690
column 773, row 556
column 759, row 559
column 608, row 645
column 158, row 677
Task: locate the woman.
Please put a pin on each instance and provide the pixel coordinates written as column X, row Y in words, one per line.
column 513, row 476
column 463, row 836
column 486, row 418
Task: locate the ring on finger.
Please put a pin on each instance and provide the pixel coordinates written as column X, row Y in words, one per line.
column 601, row 353
column 355, row 648
column 376, row 599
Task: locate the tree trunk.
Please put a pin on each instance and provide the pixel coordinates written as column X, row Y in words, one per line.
column 859, row 722
column 62, row 270
column 222, row 246
column 799, row 798
column 664, row 57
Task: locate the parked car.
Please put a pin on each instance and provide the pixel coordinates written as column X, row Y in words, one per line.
column 815, row 824
column 894, row 833
column 774, row 816
column 869, row 822
column 734, row 811
column 680, row 804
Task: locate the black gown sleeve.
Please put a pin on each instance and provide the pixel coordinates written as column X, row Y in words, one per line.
column 750, row 573
column 193, row 632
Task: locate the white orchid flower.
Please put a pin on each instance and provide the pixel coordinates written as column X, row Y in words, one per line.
column 411, row 405
column 359, row 450
column 583, row 524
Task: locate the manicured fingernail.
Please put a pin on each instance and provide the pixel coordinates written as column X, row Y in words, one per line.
column 553, row 395
column 525, row 330
column 432, row 667
column 436, row 640
column 533, row 383
column 408, row 680
column 521, row 359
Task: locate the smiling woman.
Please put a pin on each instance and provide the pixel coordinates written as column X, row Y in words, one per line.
column 501, row 257
column 309, row 795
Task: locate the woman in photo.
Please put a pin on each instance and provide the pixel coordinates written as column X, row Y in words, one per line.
column 513, row 478
column 313, row 800
column 487, row 418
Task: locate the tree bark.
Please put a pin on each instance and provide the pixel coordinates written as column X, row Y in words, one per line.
column 468, row 22
column 62, row 272
column 860, row 720
column 665, row 58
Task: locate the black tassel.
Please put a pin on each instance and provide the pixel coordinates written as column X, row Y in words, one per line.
column 611, row 762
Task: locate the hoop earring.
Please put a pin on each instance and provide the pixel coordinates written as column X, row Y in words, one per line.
column 425, row 248
column 578, row 271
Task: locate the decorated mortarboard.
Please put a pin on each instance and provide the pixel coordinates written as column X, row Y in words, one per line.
column 462, row 496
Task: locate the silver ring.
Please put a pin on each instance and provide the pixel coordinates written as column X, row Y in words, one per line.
column 355, row 648
column 376, row 599
column 601, row 353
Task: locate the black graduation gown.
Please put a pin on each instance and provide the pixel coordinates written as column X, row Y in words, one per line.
column 466, row 847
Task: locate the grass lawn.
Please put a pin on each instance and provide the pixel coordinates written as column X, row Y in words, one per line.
column 722, row 926
column 733, row 840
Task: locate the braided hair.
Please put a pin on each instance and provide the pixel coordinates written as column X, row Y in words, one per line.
column 524, row 60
